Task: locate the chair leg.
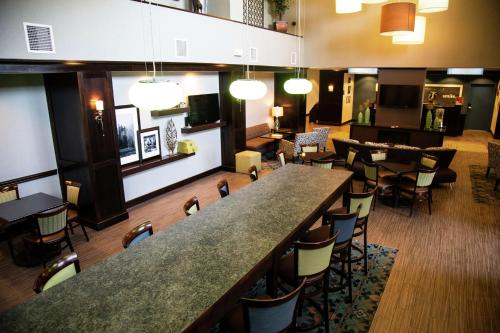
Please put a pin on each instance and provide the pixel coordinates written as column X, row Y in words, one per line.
column 411, row 205
column 68, row 240
column 349, row 274
column 325, row 302
column 365, row 247
column 71, row 227
column 496, row 185
column 429, row 201
column 375, row 199
column 487, row 172
column 84, row 232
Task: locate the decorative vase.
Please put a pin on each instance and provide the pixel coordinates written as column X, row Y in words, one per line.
column 428, row 119
column 367, row 116
column 171, row 136
column 360, row 117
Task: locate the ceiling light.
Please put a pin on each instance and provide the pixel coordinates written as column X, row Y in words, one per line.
column 371, row 2
column 362, row 71
column 298, row 86
column 465, row 71
column 248, row 89
column 155, row 94
column 397, row 18
column 347, row 6
column 416, row 37
column 432, row 6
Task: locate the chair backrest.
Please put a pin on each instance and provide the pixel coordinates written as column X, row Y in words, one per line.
column 351, row 156
column 271, row 315
column 223, row 188
column 281, row 157
column 325, row 164
column 343, row 226
column 253, row 173
column 322, row 136
column 429, row 161
column 304, row 138
column 58, row 272
column 313, row 258
column 136, row 235
column 371, row 171
column 309, row 147
column 493, row 153
column 425, row 177
column 362, row 201
column 287, row 147
column 72, row 192
column 378, row 155
column 9, row 193
column 52, row 221
column 191, row 206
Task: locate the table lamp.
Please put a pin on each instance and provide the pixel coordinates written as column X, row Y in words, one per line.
column 277, row 111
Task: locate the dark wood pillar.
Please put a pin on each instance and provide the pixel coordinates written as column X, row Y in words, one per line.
column 85, row 152
column 330, row 102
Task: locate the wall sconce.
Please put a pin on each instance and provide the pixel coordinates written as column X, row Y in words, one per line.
column 99, row 108
column 330, row 87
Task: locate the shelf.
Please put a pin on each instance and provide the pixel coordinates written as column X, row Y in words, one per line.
column 168, row 112
column 204, row 127
column 153, row 163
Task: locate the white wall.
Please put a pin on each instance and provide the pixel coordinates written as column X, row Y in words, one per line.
column 119, row 30
column 209, row 144
column 259, row 111
column 25, row 133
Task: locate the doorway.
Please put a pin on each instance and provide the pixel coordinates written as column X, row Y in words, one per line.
column 482, row 98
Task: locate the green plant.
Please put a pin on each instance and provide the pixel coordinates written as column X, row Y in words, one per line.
column 279, row 7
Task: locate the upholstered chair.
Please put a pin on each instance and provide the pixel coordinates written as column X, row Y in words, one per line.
column 63, row 269
column 9, row 193
column 287, row 147
column 322, row 136
column 191, row 206
column 325, row 164
column 304, row 139
column 381, row 155
column 419, row 190
column 427, row 161
column 73, row 198
column 137, row 234
column 253, row 173
column 309, row 148
column 383, row 186
column 223, row 188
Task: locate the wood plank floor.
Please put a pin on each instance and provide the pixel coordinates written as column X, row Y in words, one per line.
column 446, row 277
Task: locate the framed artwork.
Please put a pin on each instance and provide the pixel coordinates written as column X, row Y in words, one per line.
column 149, row 142
column 127, row 125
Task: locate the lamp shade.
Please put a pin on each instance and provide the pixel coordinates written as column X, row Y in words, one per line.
column 371, row 2
column 298, row 86
column 155, row 94
column 416, row 37
column 277, row 111
column 248, row 89
column 397, row 18
column 347, row 6
column 432, row 6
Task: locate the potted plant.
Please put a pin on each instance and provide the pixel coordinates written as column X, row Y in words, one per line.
column 278, row 8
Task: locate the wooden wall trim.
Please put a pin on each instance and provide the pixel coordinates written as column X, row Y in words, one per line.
column 171, row 187
column 29, row 178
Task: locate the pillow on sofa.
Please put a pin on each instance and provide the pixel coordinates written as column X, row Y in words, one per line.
column 406, row 147
column 349, row 140
column 436, row 148
column 376, row 144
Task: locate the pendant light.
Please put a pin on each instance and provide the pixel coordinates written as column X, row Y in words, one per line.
column 154, row 94
column 416, row 37
column 247, row 88
column 298, row 85
column 347, row 6
column 432, row 6
column 397, row 18
column 372, row 2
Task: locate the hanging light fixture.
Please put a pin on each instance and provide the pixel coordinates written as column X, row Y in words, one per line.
column 247, row 88
column 154, row 94
column 432, row 6
column 347, row 6
column 371, row 2
column 397, row 18
column 416, row 37
column 298, row 85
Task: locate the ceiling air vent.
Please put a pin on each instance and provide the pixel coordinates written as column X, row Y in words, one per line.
column 39, row 38
column 253, row 54
column 293, row 58
column 181, row 48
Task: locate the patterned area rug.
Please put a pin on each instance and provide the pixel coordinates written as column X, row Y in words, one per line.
column 482, row 187
column 367, row 292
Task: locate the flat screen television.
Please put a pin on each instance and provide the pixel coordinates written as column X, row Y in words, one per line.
column 203, row 109
column 399, row 96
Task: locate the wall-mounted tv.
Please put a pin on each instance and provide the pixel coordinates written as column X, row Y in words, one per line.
column 399, row 96
column 203, row 109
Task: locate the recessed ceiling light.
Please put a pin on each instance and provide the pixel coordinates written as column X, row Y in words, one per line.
column 465, row 71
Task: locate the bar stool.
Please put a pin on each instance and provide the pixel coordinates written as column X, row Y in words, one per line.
column 58, row 272
column 137, row 234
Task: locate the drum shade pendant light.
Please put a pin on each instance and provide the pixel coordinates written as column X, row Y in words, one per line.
column 247, row 88
column 154, row 94
column 432, row 6
column 397, row 18
column 416, row 37
column 347, row 6
column 298, row 85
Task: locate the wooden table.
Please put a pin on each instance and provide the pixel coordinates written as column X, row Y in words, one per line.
column 17, row 211
column 186, row 277
column 321, row 155
column 399, row 169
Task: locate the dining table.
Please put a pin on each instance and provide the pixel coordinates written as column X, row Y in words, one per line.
column 187, row 276
column 15, row 212
column 399, row 168
column 306, row 157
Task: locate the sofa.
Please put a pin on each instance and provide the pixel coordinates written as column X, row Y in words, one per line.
column 255, row 142
column 403, row 154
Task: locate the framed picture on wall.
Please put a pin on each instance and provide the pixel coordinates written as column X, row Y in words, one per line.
column 127, row 125
column 149, row 142
column 444, row 95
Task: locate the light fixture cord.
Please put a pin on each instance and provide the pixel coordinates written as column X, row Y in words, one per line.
column 144, row 41
column 247, row 46
column 300, row 42
column 152, row 39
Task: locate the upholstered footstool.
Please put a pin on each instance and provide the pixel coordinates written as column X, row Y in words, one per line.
column 246, row 159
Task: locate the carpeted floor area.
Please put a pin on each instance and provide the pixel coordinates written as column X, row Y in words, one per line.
column 482, row 186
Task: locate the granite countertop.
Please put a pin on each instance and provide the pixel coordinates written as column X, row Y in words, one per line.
column 167, row 281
